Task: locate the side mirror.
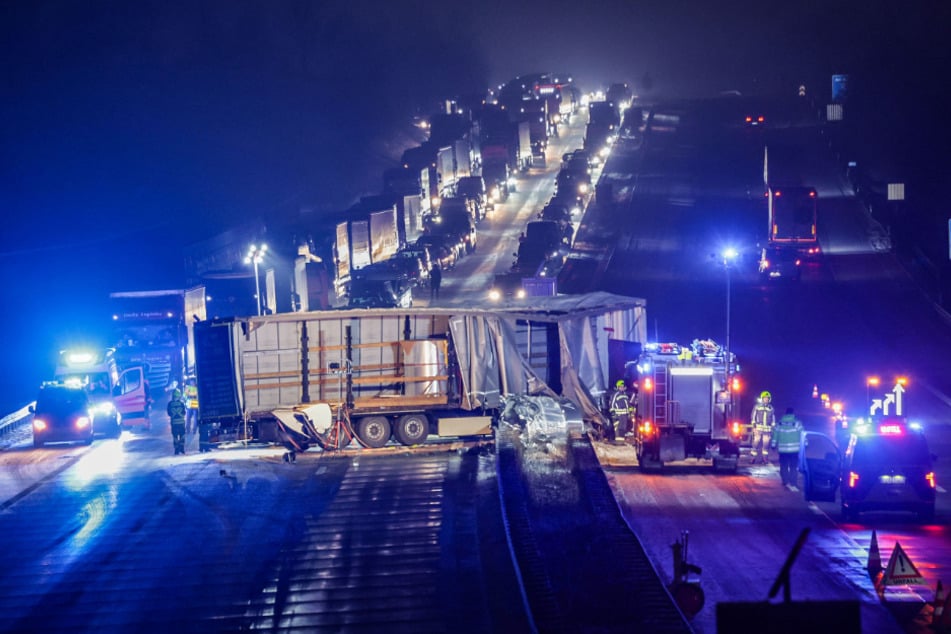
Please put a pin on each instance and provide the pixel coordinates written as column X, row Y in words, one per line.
column 32, row 409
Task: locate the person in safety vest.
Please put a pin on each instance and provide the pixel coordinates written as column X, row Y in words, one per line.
column 763, row 420
column 191, row 404
column 176, row 417
column 787, row 435
column 620, row 411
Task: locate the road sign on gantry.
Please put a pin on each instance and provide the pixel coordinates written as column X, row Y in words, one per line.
column 892, row 399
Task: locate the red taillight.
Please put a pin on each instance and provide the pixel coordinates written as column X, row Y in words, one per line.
column 749, row 119
column 646, row 428
column 761, row 119
column 648, row 385
column 735, row 384
column 737, row 429
column 853, row 479
column 932, row 482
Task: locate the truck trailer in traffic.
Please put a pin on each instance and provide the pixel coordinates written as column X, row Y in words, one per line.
column 322, row 378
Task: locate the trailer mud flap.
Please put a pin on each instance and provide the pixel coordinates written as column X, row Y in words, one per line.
column 672, row 448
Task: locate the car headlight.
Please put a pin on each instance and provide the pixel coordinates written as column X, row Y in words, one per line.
column 583, row 188
column 82, row 422
column 105, row 408
column 495, row 295
column 39, row 424
column 520, row 294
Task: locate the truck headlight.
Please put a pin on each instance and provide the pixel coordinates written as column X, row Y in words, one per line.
column 495, row 295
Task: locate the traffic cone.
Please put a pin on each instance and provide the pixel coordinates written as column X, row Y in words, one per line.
column 943, row 623
column 874, row 565
column 815, row 391
column 938, row 605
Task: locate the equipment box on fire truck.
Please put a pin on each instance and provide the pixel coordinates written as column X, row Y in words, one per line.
column 685, row 405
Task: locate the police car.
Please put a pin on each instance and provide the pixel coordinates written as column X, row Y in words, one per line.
column 887, row 466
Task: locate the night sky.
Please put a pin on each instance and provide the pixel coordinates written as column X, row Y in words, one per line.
column 129, row 129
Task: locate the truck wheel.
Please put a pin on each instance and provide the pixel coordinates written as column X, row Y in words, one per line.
column 412, row 429
column 374, row 431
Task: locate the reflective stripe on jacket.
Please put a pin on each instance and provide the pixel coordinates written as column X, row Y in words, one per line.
column 787, row 434
column 620, row 404
column 763, row 417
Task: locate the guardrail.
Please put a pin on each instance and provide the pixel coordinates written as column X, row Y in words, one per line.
column 13, row 421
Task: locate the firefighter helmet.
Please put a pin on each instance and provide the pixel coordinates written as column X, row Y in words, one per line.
column 766, row 394
column 620, row 384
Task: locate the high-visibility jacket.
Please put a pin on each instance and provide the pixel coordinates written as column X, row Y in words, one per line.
column 788, row 434
column 176, row 412
column 191, row 396
column 620, row 404
column 763, row 417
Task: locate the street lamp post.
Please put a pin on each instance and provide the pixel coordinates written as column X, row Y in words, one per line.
column 728, row 256
column 256, row 256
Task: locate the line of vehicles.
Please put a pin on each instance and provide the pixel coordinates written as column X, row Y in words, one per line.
column 386, row 245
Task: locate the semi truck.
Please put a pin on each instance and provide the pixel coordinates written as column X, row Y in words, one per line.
column 686, row 405
column 792, row 208
column 369, row 235
column 152, row 329
column 325, row 377
column 793, row 216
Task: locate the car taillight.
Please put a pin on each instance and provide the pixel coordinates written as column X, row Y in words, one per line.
column 853, row 479
column 932, row 482
column 39, row 424
column 82, row 422
column 737, row 429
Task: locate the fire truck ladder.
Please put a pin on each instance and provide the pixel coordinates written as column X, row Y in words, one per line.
column 660, row 394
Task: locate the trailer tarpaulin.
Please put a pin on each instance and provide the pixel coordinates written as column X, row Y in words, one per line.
column 582, row 373
column 489, row 361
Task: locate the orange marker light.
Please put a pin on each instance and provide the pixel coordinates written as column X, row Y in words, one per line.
column 853, row 479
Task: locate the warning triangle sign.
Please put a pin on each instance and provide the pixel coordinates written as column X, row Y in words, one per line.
column 900, row 571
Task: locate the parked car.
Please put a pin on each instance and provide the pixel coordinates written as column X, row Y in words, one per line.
column 63, row 413
column 380, row 293
column 442, row 248
column 886, row 467
column 779, row 263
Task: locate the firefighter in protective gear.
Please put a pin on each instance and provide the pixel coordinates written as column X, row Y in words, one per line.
column 620, row 411
column 176, row 418
column 763, row 420
column 191, row 404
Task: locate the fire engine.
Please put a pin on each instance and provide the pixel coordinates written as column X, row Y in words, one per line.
column 686, row 403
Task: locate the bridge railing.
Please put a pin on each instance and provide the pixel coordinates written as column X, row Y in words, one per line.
column 15, row 420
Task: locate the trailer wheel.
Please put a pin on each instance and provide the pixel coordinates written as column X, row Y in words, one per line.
column 374, row 431
column 412, row 429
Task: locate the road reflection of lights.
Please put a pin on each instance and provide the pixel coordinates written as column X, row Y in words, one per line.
column 95, row 512
column 103, row 461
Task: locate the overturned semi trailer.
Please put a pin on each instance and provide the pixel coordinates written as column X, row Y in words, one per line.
column 408, row 374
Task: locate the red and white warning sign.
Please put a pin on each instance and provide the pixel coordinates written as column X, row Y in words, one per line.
column 900, row 571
